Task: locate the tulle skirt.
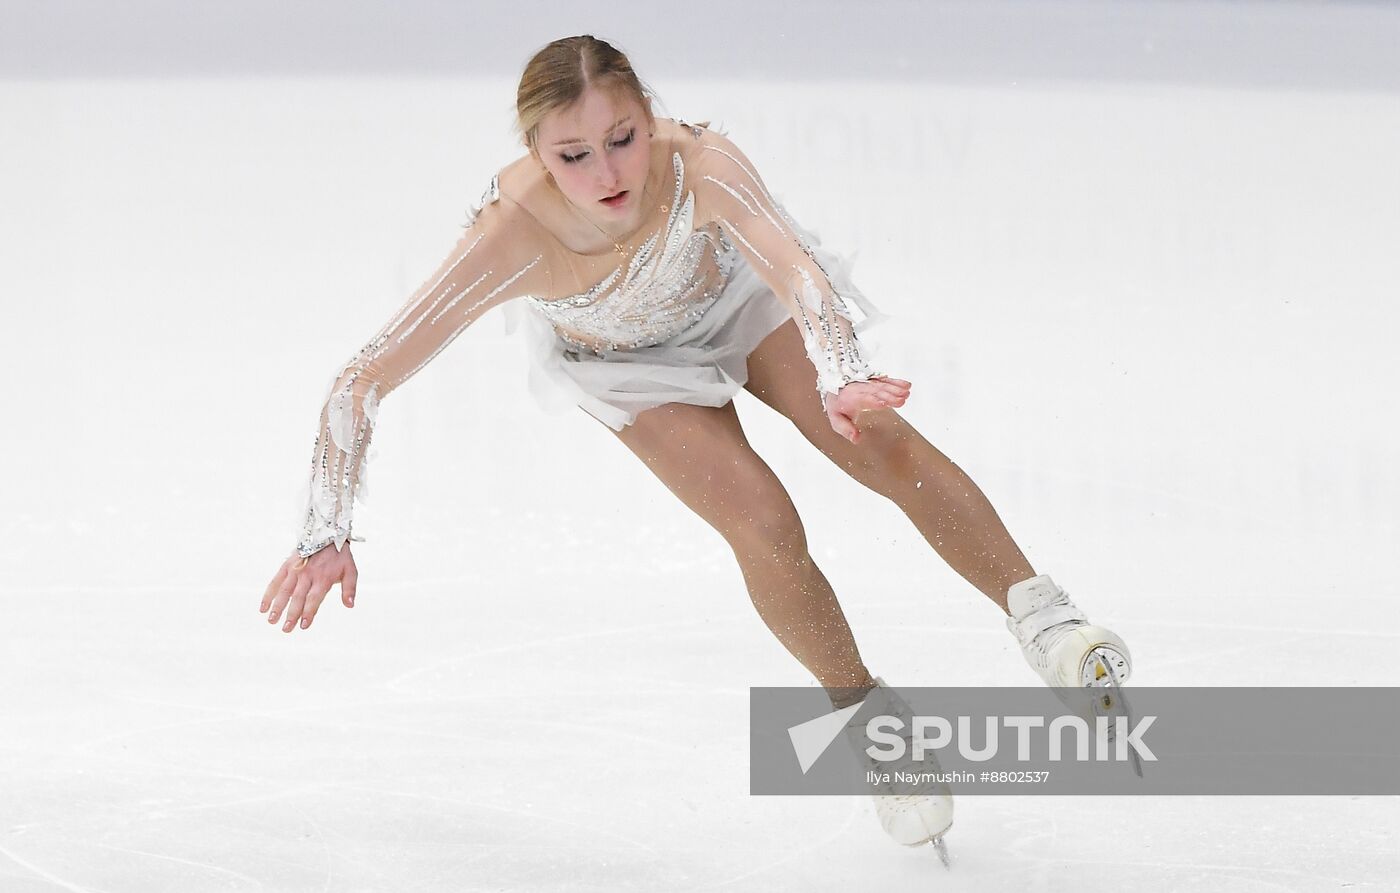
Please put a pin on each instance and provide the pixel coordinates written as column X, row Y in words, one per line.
column 706, row 364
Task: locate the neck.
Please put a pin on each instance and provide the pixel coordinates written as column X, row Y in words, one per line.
column 626, row 228
column 629, row 226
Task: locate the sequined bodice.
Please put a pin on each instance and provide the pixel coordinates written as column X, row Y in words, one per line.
column 672, row 279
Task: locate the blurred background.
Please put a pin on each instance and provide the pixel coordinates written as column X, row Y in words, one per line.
column 1141, row 259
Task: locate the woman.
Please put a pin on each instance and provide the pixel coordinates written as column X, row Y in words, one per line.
column 660, row 276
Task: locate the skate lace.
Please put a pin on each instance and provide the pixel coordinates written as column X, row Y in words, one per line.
column 1039, row 631
column 906, row 762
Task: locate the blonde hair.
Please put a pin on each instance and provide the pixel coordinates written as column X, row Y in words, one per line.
column 557, row 76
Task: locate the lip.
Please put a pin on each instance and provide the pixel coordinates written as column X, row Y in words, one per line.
column 614, row 201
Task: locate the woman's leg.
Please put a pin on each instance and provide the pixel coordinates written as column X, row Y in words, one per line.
column 895, row 460
column 702, row 456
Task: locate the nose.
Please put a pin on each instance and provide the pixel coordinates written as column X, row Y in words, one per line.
column 609, row 181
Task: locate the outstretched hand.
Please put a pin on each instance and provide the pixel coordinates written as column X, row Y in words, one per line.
column 880, row 392
column 300, row 585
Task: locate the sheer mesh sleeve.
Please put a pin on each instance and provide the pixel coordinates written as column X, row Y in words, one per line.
column 733, row 195
column 498, row 258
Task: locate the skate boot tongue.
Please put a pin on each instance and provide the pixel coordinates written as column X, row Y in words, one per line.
column 1033, row 595
column 885, row 701
column 882, row 698
column 1037, row 605
column 923, row 810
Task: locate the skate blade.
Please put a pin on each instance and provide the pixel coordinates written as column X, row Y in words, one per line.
column 938, row 844
column 942, row 849
column 1103, row 670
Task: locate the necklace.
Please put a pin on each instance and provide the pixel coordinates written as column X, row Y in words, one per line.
column 614, row 241
column 646, row 186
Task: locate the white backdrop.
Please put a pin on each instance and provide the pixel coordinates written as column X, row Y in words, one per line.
column 1148, row 308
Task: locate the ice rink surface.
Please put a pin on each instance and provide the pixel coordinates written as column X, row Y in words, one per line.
column 1153, row 317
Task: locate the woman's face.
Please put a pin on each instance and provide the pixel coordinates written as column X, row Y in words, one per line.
column 598, row 148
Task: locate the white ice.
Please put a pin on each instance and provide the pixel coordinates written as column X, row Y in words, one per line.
column 1153, row 318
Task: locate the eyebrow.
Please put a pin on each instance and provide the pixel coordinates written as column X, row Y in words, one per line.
column 577, row 140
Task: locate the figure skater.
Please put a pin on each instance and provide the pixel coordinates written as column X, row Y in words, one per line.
column 656, row 275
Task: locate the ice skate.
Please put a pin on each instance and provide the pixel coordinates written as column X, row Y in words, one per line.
column 1068, row 652
column 910, row 819
column 1059, row 642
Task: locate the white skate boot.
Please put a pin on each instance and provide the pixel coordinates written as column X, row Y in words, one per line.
column 1059, row 642
column 1066, row 650
column 911, row 819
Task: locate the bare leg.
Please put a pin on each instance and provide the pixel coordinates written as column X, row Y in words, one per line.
column 702, row 456
column 895, row 460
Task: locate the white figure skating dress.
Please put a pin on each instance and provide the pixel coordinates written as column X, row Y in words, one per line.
column 716, row 267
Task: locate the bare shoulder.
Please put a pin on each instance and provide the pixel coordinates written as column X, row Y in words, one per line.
column 518, row 184
column 504, row 207
column 695, row 138
column 714, row 150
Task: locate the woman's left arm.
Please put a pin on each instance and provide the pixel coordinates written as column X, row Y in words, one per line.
column 731, row 192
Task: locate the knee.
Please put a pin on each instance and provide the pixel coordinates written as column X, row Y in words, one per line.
column 767, row 526
column 888, row 446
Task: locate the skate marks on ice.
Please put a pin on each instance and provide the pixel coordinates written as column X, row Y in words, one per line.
column 405, row 792
column 415, row 799
column 1311, row 655
column 1189, row 843
column 407, row 681
column 50, row 879
column 331, row 837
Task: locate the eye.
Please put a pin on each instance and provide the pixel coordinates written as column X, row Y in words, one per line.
column 570, row 159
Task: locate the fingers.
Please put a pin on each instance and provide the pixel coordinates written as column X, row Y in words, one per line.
column 298, row 600
column 293, row 583
column 271, row 592
column 284, row 593
column 878, row 397
column 347, row 586
column 312, row 604
column 845, row 427
column 893, row 393
column 886, row 396
column 299, row 593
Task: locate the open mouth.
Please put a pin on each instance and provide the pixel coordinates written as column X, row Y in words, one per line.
column 617, row 199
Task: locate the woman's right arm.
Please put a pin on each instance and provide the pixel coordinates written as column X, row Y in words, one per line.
column 500, row 256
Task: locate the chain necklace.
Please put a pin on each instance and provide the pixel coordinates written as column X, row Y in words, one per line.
column 617, row 245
